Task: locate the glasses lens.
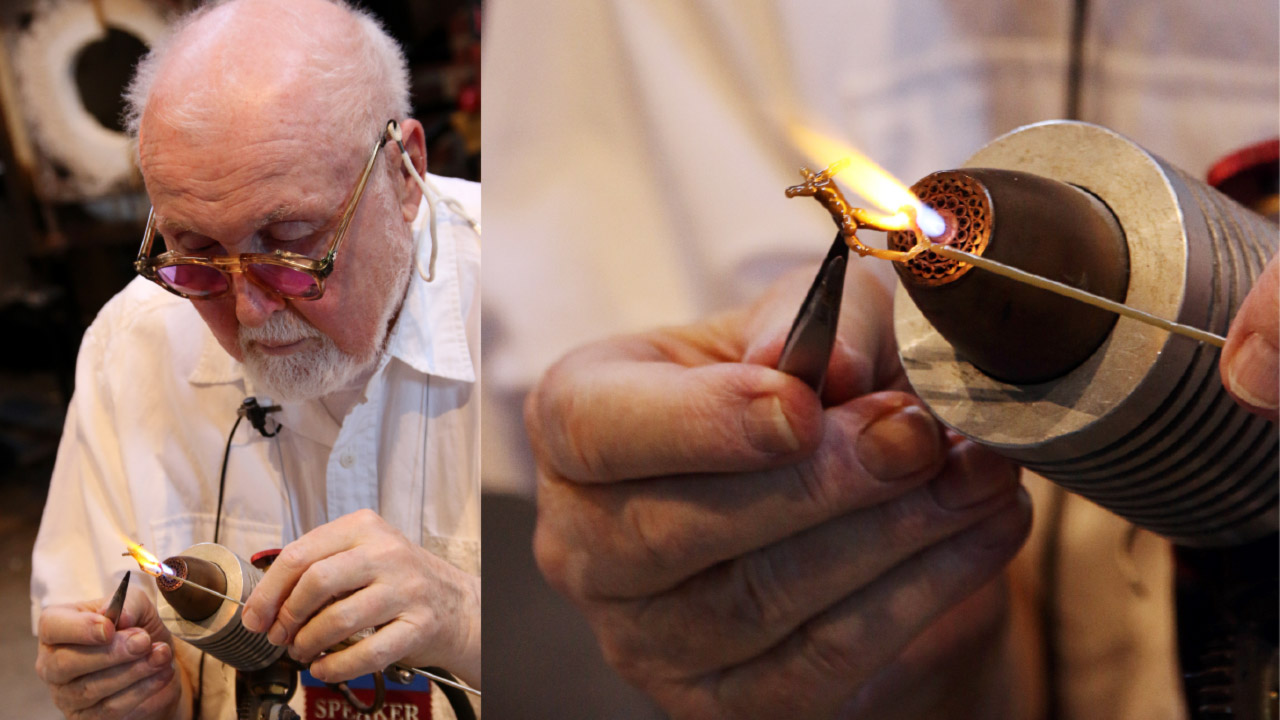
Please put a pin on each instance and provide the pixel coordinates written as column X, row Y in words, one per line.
column 285, row 280
column 194, row 280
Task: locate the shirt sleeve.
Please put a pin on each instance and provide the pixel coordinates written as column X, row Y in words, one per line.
column 87, row 517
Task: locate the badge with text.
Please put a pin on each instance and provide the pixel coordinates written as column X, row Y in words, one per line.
column 402, row 702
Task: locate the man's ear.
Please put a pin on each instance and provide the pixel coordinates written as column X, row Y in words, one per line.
column 415, row 142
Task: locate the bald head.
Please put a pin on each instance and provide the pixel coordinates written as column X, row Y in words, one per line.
column 312, row 63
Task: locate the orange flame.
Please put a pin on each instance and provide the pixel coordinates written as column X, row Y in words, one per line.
column 869, row 180
column 149, row 563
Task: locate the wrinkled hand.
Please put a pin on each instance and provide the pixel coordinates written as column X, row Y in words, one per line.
column 96, row 672
column 742, row 551
column 1250, row 370
column 358, row 572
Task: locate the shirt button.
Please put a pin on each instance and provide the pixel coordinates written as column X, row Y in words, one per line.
column 347, row 460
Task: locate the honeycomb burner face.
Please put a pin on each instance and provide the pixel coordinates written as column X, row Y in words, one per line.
column 170, row 583
column 965, row 206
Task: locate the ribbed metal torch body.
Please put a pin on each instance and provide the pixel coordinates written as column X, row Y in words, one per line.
column 1141, row 425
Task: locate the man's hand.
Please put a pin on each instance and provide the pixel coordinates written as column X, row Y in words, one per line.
column 358, row 572
column 743, row 551
column 1250, row 370
column 97, row 672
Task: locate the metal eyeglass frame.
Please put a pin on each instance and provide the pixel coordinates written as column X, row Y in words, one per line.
column 149, row 267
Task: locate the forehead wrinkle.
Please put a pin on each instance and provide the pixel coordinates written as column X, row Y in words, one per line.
column 211, row 169
column 245, row 190
column 214, row 159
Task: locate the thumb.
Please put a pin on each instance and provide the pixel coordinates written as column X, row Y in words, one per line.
column 1249, row 366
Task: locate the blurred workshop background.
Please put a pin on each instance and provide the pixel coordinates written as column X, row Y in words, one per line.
column 72, row 209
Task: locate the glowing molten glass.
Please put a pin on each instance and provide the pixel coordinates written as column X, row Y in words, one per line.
column 869, row 180
column 149, row 563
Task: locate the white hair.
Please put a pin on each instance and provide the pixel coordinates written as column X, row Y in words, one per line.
column 366, row 81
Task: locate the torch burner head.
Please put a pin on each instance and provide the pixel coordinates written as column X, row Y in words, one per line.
column 1011, row 331
column 965, row 207
column 189, row 602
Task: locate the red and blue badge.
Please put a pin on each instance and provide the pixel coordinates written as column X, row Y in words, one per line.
column 402, row 702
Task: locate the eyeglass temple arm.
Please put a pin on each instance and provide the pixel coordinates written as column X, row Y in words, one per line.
column 351, row 206
column 140, row 264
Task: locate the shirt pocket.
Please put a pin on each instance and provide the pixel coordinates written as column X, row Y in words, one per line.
column 176, row 533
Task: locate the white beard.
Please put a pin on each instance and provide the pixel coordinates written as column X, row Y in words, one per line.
column 312, row 372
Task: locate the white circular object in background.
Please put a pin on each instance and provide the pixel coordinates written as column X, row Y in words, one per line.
column 98, row 159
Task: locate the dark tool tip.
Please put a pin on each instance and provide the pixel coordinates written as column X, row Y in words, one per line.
column 808, row 347
column 116, row 606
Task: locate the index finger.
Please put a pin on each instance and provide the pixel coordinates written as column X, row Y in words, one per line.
column 595, row 418
column 1249, row 367
column 62, row 625
column 282, row 577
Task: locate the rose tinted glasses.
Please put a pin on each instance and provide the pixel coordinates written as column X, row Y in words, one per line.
column 290, row 275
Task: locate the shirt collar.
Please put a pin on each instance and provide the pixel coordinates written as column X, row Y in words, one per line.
column 214, row 366
column 430, row 335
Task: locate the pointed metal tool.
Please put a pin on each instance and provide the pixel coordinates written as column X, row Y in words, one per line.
column 808, row 347
column 116, row 606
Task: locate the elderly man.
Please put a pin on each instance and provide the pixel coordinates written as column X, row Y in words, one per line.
column 262, row 128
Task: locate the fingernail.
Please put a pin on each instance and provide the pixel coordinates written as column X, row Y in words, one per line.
column 1254, row 373
column 160, row 655
column 251, row 621
column 900, row 443
column 137, row 643
column 101, row 632
column 976, row 475
column 767, row 427
column 277, row 636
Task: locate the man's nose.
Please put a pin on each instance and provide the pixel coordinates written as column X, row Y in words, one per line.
column 253, row 303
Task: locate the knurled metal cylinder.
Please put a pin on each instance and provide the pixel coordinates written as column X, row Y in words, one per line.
column 221, row 634
column 1143, row 425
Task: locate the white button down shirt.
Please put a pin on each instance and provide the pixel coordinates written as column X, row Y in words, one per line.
column 156, row 397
